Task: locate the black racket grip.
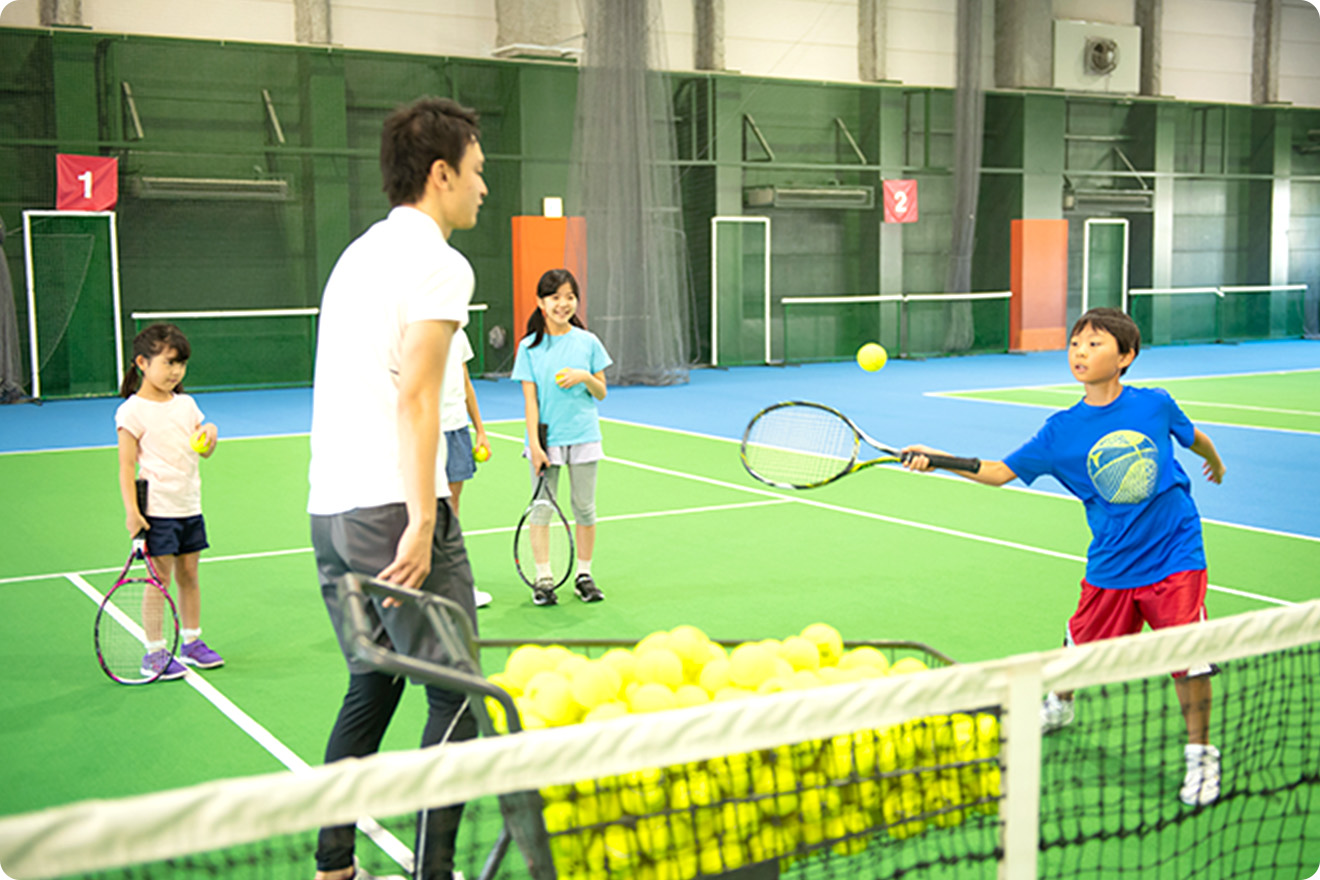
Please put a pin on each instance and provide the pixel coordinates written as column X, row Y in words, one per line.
column 949, row 462
column 542, row 436
column 141, row 487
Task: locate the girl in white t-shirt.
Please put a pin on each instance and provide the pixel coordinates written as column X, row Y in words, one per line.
column 161, row 438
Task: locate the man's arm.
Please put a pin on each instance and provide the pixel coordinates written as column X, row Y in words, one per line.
column 421, row 376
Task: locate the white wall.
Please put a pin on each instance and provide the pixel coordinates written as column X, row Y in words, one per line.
column 1206, row 43
column 1207, row 50
column 455, row 27
column 801, row 39
column 1299, row 54
column 920, row 40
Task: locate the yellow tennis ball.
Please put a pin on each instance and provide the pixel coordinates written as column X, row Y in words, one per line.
column 660, row 665
column 750, row 665
column 200, row 441
column 907, row 666
column 827, row 640
column 652, row 697
column 872, row 356
column 481, row 453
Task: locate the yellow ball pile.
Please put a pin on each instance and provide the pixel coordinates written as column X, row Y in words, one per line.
column 708, row 817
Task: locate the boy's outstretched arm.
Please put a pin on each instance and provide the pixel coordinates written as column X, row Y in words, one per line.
column 992, row 473
column 1214, row 465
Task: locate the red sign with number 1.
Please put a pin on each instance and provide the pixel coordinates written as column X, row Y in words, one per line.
column 86, row 183
column 900, row 201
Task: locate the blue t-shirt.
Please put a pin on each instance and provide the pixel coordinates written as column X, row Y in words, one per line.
column 570, row 412
column 1118, row 459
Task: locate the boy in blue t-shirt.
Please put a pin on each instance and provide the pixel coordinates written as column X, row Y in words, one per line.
column 1146, row 562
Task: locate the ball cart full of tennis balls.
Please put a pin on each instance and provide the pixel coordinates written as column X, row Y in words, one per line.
column 756, row 807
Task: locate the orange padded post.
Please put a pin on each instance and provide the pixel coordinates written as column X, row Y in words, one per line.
column 1038, row 311
column 541, row 244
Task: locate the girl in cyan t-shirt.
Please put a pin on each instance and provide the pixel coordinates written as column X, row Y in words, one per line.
column 562, row 369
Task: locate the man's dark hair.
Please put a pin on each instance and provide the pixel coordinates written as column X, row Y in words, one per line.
column 1117, row 324
column 415, row 136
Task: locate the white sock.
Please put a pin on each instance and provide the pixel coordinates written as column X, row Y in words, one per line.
column 544, row 571
column 190, row 635
column 584, row 567
column 154, row 646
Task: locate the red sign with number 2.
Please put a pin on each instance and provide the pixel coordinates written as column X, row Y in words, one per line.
column 86, row 183
column 900, row 201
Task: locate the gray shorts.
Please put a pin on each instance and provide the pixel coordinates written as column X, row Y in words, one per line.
column 364, row 541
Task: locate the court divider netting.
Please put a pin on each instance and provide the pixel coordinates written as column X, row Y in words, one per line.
column 938, row 773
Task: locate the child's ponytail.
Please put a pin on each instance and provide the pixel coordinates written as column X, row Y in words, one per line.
column 149, row 343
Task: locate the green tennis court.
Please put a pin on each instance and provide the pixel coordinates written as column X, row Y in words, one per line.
column 686, row 538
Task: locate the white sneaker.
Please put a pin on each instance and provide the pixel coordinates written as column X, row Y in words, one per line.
column 1201, row 784
column 1055, row 713
column 482, row 598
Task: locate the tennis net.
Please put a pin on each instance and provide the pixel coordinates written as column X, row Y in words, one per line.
column 943, row 773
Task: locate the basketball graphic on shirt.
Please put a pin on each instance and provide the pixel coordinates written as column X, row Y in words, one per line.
column 1124, row 467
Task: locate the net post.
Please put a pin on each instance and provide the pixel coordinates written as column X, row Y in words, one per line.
column 30, row 273
column 1020, row 808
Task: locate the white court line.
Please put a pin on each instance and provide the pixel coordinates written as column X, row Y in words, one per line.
column 957, row 395
column 1027, row 490
column 1050, row 385
column 388, row 843
column 1072, row 392
column 115, row 446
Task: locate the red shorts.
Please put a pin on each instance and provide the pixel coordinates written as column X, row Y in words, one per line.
column 1105, row 614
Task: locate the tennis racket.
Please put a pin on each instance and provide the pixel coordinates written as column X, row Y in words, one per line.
column 137, row 627
column 801, row 445
column 543, row 541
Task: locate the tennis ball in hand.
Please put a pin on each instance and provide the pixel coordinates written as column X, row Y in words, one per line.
column 200, row 441
column 481, row 453
column 872, row 356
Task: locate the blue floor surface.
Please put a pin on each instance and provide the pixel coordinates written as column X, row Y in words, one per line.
column 1270, row 482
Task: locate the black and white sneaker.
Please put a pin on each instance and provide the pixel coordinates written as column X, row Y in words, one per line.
column 587, row 590
column 544, row 592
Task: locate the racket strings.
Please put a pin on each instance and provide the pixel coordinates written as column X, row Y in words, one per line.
column 799, row 445
column 543, row 547
column 137, row 618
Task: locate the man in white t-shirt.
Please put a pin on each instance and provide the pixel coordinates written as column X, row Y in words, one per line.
column 378, row 504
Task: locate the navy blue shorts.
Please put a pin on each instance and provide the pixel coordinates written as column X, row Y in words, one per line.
column 459, row 464
column 175, row 536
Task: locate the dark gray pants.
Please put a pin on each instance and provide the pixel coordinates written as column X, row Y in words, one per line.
column 364, row 541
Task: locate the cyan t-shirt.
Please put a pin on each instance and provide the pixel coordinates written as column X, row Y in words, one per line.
column 1118, row 459
column 570, row 412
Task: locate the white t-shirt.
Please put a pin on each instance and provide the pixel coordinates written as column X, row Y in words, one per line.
column 166, row 460
column 399, row 271
column 453, row 403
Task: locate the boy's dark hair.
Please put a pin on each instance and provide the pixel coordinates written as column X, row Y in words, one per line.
column 414, row 137
column 550, row 282
column 149, row 343
column 1117, row 324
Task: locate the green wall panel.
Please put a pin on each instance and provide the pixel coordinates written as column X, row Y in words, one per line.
column 1214, row 170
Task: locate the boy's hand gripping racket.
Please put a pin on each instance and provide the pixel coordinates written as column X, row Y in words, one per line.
column 543, row 537
column 801, row 445
column 137, row 627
